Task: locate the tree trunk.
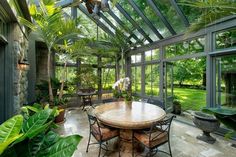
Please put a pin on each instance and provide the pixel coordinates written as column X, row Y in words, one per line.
column 51, row 98
column 62, row 82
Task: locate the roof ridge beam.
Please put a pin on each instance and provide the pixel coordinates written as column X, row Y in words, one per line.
column 146, row 20
column 162, row 17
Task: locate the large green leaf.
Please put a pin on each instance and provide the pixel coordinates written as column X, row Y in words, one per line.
column 5, row 144
column 9, row 131
column 65, row 147
column 36, row 123
column 49, row 139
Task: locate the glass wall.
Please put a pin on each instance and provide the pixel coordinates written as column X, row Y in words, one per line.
column 108, row 78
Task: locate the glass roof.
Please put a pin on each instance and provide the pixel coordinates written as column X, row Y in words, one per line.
column 142, row 20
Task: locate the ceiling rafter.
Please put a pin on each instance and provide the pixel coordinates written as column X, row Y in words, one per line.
column 113, row 26
column 122, row 24
column 129, row 18
column 145, row 19
column 180, row 12
column 162, row 17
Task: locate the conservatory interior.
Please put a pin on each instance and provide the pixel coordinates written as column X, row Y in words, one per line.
column 87, row 78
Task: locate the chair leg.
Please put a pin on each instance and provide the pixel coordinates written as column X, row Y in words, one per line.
column 169, row 148
column 88, row 142
column 100, row 146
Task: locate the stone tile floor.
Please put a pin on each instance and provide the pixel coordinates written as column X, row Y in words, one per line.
column 183, row 140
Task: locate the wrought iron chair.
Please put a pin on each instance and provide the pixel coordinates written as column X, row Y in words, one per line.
column 157, row 135
column 100, row 132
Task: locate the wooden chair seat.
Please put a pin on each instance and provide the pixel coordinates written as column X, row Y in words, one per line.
column 143, row 137
column 106, row 132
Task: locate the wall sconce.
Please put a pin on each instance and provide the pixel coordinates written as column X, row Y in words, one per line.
column 23, row 64
column 105, row 6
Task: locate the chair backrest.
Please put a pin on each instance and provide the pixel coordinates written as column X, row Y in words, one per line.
column 157, row 102
column 163, row 127
column 94, row 125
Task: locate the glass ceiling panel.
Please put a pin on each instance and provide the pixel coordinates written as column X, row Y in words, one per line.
column 151, row 15
column 171, row 15
column 138, row 20
column 190, row 12
column 91, row 27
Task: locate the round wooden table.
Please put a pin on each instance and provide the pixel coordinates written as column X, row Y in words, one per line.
column 127, row 118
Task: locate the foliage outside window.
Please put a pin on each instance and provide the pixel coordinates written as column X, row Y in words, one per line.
column 184, row 48
column 69, row 79
column 3, row 28
column 108, row 78
column 136, row 58
column 87, row 77
column 152, row 80
column 226, row 39
column 152, row 55
column 136, row 79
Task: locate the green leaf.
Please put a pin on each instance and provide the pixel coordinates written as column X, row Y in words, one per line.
column 5, row 144
column 36, row 123
column 9, row 131
column 50, row 138
column 65, row 147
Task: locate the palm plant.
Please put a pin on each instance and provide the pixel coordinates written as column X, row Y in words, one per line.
column 52, row 28
column 212, row 10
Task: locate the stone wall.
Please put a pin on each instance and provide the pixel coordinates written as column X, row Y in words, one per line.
column 20, row 48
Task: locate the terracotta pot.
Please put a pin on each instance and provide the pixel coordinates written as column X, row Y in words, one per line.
column 61, row 117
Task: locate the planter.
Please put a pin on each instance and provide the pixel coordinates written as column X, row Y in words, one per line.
column 208, row 124
column 129, row 103
column 61, row 117
column 177, row 108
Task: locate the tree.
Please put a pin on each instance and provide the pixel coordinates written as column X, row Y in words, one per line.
column 52, row 28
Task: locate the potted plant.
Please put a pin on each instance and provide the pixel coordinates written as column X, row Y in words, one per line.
column 176, row 106
column 121, row 88
column 61, row 106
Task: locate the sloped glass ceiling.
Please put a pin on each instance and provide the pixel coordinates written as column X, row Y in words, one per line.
column 144, row 20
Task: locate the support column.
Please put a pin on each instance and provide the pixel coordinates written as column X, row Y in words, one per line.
column 161, row 72
column 99, row 61
column 142, row 74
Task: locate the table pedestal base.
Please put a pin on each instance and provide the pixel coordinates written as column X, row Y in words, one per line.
column 126, row 142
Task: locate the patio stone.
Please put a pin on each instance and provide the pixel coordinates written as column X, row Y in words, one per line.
column 183, row 140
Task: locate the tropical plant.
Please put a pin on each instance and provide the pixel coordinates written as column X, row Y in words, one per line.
column 211, row 10
column 31, row 135
column 52, row 28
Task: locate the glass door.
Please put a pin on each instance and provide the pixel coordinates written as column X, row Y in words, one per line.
column 168, row 86
column 225, row 81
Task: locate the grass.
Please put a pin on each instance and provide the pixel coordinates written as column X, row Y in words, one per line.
column 193, row 99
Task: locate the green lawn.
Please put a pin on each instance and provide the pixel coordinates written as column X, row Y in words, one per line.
column 193, row 99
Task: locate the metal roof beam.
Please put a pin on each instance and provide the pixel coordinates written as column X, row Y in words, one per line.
column 121, row 24
column 99, row 23
column 162, row 17
column 180, row 12
column 113, row 26
column 128, row 17
column 146, row 20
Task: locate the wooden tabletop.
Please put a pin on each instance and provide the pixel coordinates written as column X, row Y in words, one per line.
column 139, row 115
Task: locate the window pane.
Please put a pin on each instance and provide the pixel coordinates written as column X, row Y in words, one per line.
column 148, row 55
column 186, row 47
column 108, row 78
column 136, row 79
column 136, row 58
column 226, row 39
column 152, row 80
